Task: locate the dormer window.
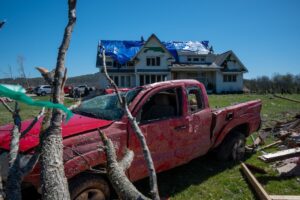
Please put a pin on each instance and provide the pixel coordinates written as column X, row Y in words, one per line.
column 153, row 61
column 194, row 59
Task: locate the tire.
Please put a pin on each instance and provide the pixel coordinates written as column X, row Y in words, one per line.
column 89, row 187
column 43, row 93
column 232, row 148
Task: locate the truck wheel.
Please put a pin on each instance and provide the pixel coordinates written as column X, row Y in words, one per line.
column 89, row 187
column 232, row 148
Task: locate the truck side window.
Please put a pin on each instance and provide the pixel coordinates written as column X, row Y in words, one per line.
column 195, row 102
column 162, row 105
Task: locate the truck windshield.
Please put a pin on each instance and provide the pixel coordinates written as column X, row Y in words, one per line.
column 106, row 106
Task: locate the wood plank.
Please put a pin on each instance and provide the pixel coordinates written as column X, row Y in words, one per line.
column 260, row 191
column 270, row 145
column 280, row 155
column 284, row 197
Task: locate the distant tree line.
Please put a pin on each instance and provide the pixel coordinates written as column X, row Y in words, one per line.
column 285, row 84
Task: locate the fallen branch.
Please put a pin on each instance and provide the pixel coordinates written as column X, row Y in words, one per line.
column 285, row 98
column 16, row 173
column 34, row 121
column 138, row 132
column 6, row 106
column 124, row 188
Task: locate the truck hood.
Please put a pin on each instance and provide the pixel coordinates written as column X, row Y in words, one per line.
column 76, row 125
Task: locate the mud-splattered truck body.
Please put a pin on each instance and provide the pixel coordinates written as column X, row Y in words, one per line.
column 174, row 116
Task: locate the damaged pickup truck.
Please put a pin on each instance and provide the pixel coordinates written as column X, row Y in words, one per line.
column 175, row 118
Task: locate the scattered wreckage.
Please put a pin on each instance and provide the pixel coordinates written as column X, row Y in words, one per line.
column 286, row 160
column 174, row 116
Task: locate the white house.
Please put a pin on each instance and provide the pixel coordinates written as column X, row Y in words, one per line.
column 135, row 63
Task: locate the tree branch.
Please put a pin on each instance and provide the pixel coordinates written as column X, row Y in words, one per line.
column 138, row 132
column 34, row 121
column 7, row 106
column 123, row 187
column 126, row 160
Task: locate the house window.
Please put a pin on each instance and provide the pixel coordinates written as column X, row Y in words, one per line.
column 195, row 59
column 229, row 78
column 116, row 64
column 148, row 79
column 109, row 63
column 130, row 64
column 153, row 61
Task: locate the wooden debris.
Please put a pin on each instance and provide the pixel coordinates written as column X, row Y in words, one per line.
column 256, row 169
column 260, row 191
column 284, row 197
column 280, row 155
column 270, row 145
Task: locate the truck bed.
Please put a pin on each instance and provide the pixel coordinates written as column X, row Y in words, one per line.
column 246, row 115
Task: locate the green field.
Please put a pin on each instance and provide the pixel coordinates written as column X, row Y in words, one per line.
column 206, row 178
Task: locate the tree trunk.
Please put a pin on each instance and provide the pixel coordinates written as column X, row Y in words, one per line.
column 14, row 179
column 54, row 182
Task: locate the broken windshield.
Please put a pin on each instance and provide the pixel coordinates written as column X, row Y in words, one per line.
column 106, row 106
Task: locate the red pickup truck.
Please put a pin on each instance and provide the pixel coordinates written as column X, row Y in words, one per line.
column 175, row 118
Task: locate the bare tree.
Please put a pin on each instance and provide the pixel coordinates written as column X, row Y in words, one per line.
column 147, row 154
column 54, row 182
column 20, row 60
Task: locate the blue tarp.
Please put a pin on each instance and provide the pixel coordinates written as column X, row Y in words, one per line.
column 123, row 51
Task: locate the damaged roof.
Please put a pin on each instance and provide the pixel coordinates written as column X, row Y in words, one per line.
column 124, row 50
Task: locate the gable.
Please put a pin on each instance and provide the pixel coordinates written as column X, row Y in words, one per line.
column 153, row 46
column 230, row 62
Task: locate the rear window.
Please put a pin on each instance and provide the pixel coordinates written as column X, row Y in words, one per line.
column 195, row 99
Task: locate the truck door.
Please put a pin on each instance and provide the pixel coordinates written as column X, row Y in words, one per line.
column 199, row 117
column 158, row 115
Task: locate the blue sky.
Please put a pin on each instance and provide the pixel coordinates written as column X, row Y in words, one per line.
column 265, row 34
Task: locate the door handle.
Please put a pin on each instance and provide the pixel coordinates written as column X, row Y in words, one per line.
column 178, row 128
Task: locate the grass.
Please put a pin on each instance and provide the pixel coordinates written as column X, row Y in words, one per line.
column 206, row 178
column 27, row 112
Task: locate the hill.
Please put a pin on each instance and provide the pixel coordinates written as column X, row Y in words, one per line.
column 91, row 80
